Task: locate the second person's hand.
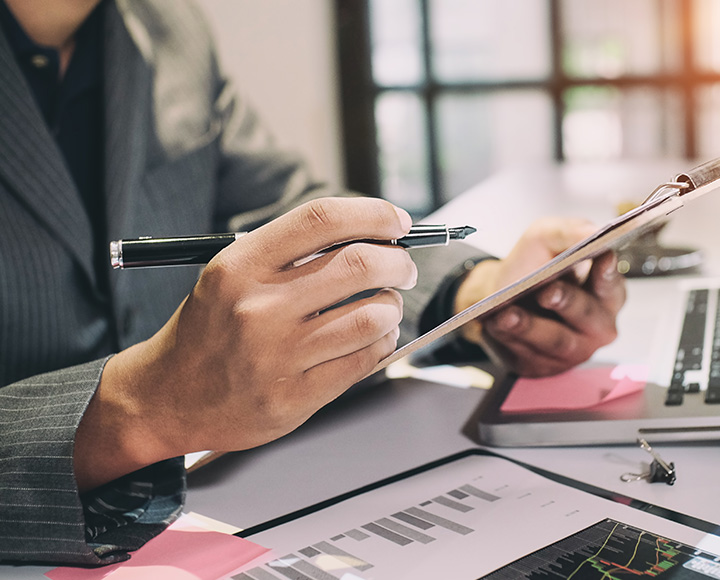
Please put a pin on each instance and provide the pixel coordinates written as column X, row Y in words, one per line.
column 559, row 326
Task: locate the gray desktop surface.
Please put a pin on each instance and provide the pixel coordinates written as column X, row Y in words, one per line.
column 357, row 440
column 407, row 423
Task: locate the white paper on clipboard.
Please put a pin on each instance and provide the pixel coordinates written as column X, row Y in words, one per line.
column 666, row 199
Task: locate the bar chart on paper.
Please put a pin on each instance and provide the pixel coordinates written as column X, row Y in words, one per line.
column 465, row 520
column 422, row 524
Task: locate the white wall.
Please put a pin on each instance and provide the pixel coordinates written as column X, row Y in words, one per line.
column 281, row 53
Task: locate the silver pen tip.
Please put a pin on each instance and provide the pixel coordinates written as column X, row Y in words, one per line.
column 462, row 232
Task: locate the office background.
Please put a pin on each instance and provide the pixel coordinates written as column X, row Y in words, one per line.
column 282, row 55
column 418, row 100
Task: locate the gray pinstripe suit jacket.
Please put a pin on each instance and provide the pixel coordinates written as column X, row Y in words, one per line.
column 183, row 155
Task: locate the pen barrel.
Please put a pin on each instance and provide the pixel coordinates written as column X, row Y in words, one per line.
column 178, row 251
column 425, row 236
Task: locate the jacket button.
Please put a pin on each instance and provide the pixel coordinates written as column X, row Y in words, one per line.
column 39, row 60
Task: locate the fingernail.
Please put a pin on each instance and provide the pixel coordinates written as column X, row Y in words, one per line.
column 508, row 320
column 611, row 271
column 405, row 219
column 415, row 276
column 396, row 333
column 554, row 298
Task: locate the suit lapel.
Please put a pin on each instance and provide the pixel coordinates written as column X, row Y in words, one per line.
column 128, row 93
column 32, row 167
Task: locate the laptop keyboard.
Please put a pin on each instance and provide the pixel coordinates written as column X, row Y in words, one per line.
column 697, row 362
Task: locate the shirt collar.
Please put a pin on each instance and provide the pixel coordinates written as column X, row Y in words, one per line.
column 88, row 45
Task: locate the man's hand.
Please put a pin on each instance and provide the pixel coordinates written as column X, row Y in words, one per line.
column 260, row 344
column 559, row 326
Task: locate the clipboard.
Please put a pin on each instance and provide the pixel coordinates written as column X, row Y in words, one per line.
column 616, row 234
column 473, row 515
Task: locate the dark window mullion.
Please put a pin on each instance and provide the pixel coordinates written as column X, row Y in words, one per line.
column 558, row 81
column 690, row 86
column 430, row 94
column 357, row 94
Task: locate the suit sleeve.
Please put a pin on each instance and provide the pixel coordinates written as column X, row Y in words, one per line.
column 42, row 515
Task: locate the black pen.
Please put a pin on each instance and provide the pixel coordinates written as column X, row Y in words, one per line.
column 152, row 252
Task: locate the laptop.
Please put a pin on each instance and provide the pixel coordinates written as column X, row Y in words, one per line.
column 678, row 327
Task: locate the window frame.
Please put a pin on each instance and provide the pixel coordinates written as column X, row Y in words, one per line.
column 358, row 91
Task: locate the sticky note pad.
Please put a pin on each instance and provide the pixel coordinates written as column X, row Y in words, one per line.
column 178, row 553
column 579, row 388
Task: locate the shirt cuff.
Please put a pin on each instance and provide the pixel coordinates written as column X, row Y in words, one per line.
column 124, row 514
column 453, row 348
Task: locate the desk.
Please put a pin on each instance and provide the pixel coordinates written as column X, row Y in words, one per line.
column 372, row 434
column 375, row 432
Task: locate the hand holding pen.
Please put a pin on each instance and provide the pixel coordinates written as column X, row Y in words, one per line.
column 185, row 250
column 257, row 347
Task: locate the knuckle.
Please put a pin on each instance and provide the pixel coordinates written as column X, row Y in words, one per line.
column 362, row 362
column 364, row 323
column 357, row 262
column 216, row 274
column 241, row 316
column 321, row 214
column 248, row 321
column 564, row 345
column 275, row 409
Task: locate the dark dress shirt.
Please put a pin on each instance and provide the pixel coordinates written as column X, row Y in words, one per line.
column 73, row 110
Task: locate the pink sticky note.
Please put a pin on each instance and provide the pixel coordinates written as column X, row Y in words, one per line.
column 578, row 388
column 176, row 554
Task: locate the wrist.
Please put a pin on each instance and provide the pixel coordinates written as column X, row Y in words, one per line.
column 479, row 283
column 122, row 429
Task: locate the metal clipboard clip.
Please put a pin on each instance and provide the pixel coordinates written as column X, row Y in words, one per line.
column 705, row 175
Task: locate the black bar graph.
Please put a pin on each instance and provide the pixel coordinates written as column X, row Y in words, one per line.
column 403, row 528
